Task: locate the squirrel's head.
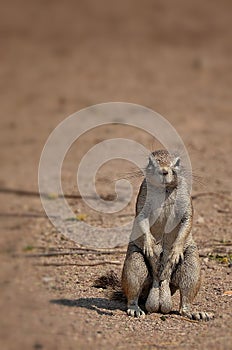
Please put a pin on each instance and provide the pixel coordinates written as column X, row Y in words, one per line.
column 163, row 169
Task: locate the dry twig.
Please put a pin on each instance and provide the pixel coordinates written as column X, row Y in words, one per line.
column 75, row 252
column 215, row 194
column 113, row 262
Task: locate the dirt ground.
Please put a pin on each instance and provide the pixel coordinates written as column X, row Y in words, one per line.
column 58, row 57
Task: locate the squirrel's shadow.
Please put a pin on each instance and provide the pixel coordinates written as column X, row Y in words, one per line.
column 100, row 305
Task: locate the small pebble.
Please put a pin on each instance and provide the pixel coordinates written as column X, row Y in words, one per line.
column 200, row 220
column 47, row 279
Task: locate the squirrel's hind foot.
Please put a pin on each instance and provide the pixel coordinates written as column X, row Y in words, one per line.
column 198, row 316
column 135, row 311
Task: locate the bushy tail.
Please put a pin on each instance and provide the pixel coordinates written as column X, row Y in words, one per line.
column 111, row 282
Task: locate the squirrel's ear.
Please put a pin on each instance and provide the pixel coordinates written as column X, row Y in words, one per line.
column 176, row 162
column 150, row 160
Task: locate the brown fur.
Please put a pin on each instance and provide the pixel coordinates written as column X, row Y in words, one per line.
column 157, row 262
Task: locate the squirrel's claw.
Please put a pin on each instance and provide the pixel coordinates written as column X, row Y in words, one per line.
column 135, row 311
column 148, row 247
column 198, row 316
column 175, row 258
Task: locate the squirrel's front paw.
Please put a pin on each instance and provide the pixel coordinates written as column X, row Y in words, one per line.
column 174, row 258
column 148, row 246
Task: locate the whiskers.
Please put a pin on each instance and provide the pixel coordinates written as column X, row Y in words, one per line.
column 199, row 179
column 196, row 178
column 134, row 174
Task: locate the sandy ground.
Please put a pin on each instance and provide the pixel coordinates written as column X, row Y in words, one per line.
column 58, row 57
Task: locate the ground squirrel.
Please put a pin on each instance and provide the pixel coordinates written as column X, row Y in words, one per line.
column 162, row 256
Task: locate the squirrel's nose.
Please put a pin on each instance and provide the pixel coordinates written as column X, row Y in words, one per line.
column 164, row 172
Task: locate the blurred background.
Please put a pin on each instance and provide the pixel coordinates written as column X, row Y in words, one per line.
column 58, row 57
